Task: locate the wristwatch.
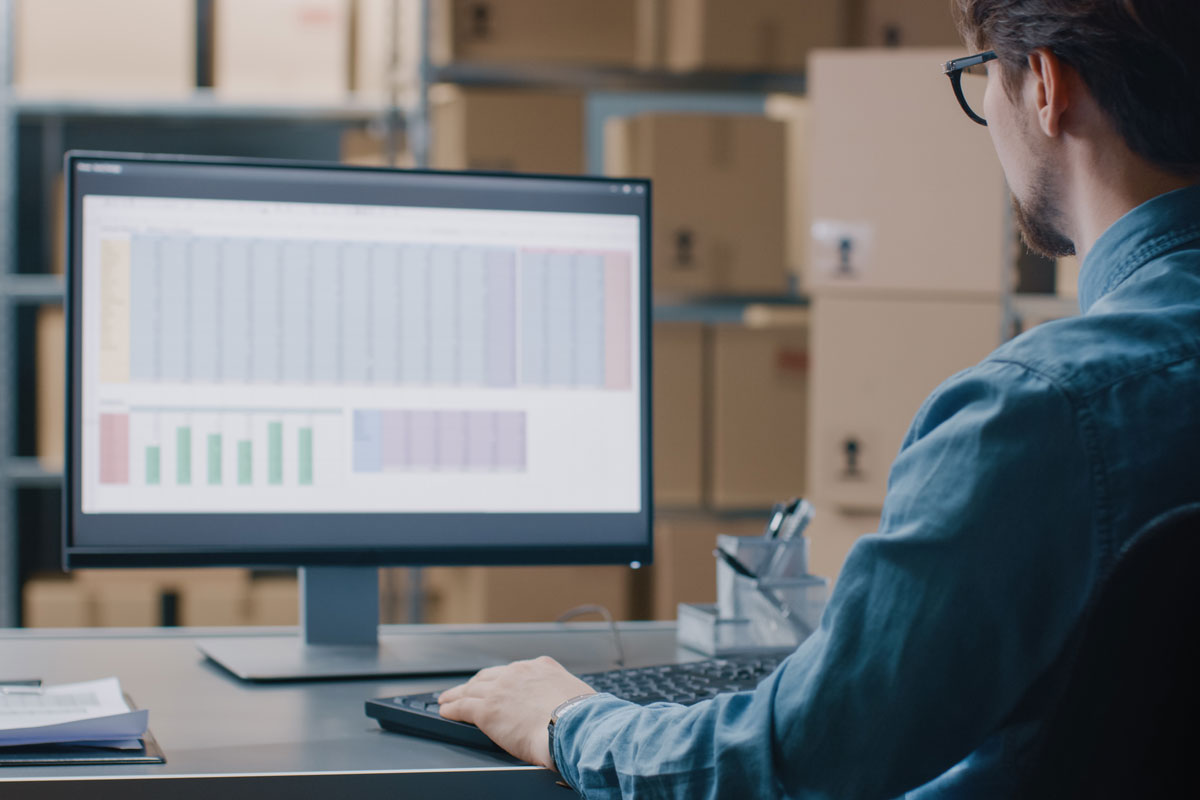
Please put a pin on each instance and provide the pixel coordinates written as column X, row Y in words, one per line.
column 558, row 712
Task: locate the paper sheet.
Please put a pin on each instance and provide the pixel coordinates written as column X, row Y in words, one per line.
column 94, row 711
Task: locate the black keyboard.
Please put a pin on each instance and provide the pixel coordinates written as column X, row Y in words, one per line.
column 689, row 683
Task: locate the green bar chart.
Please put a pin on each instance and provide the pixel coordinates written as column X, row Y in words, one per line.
column 275, row 453
column 214, row 459
column 306, row 456
column 245, row 463
column 153, row 465
column 183, row 455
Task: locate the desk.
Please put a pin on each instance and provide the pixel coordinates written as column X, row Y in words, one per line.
column 227, row 739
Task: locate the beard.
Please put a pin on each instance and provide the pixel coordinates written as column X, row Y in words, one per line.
column 1038, row 219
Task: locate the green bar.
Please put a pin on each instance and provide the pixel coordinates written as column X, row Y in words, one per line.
column 153, row 456
column 244, row 463
column 306, row 457
column 275, row 453
column 183, row 455
column 214, row 459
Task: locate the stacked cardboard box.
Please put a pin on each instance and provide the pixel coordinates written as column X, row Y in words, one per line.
column 509, row 130
column 524, row 594
column 282, row 50
column 50, row 388
column 597, row 32
column 906, row 266
column 904, row 23
column 679, row 378
column 746, row 36
column 82, row 48
column 684, row 570
column 139, row 598
column 719, row 192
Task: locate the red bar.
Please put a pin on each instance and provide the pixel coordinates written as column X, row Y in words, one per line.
column 617, row 322
column 114, row 448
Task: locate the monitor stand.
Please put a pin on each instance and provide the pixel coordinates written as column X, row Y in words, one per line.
column 339, row 618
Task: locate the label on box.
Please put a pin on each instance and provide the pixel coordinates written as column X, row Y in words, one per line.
column 842, row 249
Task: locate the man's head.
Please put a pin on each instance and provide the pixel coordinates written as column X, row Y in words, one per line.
column 1072, row 71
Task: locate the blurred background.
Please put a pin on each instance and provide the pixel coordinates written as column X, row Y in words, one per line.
column 831, row 240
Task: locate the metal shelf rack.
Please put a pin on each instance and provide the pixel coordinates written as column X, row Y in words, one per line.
column 403, row 109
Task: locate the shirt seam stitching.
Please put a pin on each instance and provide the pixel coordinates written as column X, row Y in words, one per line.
column 1096, row 462
column 1147, row 253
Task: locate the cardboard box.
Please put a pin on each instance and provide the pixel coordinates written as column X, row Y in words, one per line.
column 366, row 147
column 678, row 414
column 904, row 194
column 121, row 604
column 905, row 23
column 523, row 594
column 684, row 570
column 507, row 130
column 213, row 602
column 117, row 48
column 51, row 376
column 57, row 602
column 875, row 360
column 793, row 112
column 718, row 198
column 594, row 32
column 281, row 50
column 275, row 600
column 750, row 35
column 759, row 420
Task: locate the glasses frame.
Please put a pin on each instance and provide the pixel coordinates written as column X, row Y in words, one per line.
column 954, row 70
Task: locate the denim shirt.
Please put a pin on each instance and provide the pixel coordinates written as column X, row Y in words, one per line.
column 1017, row 483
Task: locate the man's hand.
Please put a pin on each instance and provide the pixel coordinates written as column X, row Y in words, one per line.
column 512, row 704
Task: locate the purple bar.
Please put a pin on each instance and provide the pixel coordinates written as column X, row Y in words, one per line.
column 368, row 441
column 452, row 440
column 395, row 440
column 510, row 440
column 422, row 439
column 501, row 299
column 481, row 440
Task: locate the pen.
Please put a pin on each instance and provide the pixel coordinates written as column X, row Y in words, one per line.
column 789, row 529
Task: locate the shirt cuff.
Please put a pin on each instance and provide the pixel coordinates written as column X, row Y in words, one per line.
column 567, row 729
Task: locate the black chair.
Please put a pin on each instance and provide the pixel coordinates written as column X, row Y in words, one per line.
column 1125, row 723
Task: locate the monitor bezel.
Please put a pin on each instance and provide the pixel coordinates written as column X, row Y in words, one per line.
column 552, row 553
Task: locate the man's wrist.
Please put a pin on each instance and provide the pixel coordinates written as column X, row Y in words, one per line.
column 555, row 716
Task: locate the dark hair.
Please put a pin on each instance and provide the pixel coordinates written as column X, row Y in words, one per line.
column 1139, row 58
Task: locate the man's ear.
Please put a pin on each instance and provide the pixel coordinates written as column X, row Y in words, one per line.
column 1051, row 96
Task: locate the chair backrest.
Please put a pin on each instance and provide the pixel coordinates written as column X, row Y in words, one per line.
column 1126, row 723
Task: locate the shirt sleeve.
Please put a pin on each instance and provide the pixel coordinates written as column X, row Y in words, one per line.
column 936, row 628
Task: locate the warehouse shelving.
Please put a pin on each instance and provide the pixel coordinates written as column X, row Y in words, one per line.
column 401, row 109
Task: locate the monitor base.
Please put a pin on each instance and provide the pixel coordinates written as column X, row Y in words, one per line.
column 288, row 658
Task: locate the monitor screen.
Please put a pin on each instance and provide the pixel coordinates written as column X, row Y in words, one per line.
column 290, row 364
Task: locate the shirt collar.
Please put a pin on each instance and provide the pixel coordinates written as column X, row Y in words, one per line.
column 1142, row 235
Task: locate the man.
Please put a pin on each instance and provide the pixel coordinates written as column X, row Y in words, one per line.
column 1017, row 484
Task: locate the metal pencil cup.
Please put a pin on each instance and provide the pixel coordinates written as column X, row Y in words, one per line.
column 744, row 619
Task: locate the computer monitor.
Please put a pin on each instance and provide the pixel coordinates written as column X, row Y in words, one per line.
column 340, row 368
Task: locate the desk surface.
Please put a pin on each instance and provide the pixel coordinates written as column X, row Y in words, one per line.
column 229, row 739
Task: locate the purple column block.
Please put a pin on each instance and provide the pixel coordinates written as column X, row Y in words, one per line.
column 510, row 440
column 481, row 440
column 452, row 440
column 422, row 439
column 368, row 441
column 395, row 440
column 501, row 324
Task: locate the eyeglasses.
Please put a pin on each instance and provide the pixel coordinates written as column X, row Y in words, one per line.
column 972, row 65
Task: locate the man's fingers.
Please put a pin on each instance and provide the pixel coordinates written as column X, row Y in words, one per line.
column 464, row 709
column 452, row 694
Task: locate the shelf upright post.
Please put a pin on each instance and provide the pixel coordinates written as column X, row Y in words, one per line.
column 9, row 566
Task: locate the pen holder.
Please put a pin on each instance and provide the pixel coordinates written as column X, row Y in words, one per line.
column 755, row 552
column 744, row 619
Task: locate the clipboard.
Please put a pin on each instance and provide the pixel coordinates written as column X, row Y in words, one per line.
column 61, row 755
